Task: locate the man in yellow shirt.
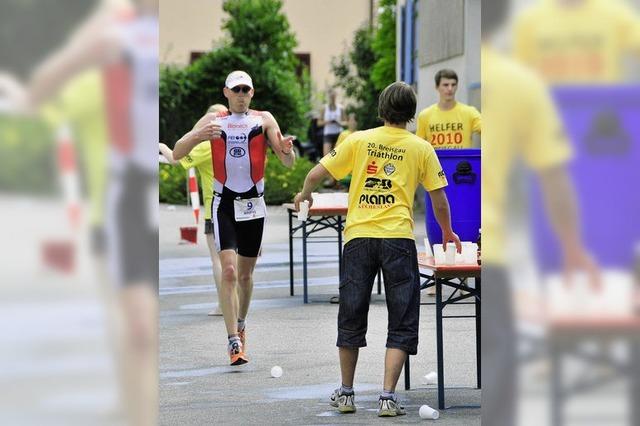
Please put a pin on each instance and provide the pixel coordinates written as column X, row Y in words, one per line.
column 449, row 123
column 523, row 129
column 387, row 164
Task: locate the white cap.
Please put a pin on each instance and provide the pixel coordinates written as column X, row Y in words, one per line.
column 237, row 78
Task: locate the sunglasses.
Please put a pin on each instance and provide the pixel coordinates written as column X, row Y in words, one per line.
column 243, row 89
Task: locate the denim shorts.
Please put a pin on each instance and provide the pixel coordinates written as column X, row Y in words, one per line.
column 362, row 259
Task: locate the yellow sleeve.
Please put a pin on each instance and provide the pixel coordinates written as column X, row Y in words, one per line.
column 197, row 156
column 432, row 176
column 421, row 130
column 545, row 144
column 339, row 162
column 522, row 50
column 476, row 121
column 342, row 136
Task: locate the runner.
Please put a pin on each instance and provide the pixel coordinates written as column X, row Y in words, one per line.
column 239, row 147
column 200, row 158
column 123, row 44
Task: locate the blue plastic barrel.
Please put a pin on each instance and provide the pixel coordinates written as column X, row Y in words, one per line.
column 604, row 131
column 462, row 168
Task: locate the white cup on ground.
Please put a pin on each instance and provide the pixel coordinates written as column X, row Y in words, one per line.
column 427, row 412
column 450, row 254
column 303, row 214
column 431, row 378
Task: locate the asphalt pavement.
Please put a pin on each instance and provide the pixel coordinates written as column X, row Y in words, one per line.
column 198, row 387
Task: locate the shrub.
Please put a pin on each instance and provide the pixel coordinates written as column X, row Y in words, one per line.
column 27, row 156
column 259, row 42
column 281, row 184
column 353, row 73
column 173, row 181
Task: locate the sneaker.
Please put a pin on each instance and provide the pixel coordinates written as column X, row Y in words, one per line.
column 243, row 339
column 236, row 354
column 343, row 401
column 388, row 407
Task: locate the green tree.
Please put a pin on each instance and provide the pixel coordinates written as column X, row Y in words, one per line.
column 383, row 72
column 353, row 73
column 260, row 42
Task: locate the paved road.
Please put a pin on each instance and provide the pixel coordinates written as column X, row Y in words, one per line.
column 198, row 387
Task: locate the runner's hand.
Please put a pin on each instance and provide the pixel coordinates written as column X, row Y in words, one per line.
column 209, row 131
column 286, row 144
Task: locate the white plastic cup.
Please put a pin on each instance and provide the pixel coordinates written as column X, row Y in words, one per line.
column 303, row 214
column 438, row 254
column 450, row 254
column 469, row 253
column 427, row 248
column 276, row 371
column 427, row 412
column 431, row 378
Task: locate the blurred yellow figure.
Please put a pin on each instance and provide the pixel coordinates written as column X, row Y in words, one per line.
column 525, row 129
column 577, row 41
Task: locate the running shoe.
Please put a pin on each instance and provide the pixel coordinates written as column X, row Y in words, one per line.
column 388, row 407
column 344, row 402
column 236, row 354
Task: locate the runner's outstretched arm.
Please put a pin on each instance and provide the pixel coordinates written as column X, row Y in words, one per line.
column 282, row 147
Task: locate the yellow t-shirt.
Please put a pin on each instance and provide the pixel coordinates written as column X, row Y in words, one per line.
column 200, row 158
column 525, row 127
column 387, row 165
column 342, row 136
column 584, row 43
column 450, row 129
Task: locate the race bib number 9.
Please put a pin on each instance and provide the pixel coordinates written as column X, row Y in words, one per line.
column 249, row 209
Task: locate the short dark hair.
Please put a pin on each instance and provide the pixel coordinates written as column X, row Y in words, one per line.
column 397, row 103
column 445, row 73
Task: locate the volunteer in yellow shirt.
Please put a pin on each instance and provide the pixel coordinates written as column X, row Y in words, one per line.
column 387, row 164
column 448, row 124
column 577, row 41
column 200, row 158
column 523, row 128
column 352, row 126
